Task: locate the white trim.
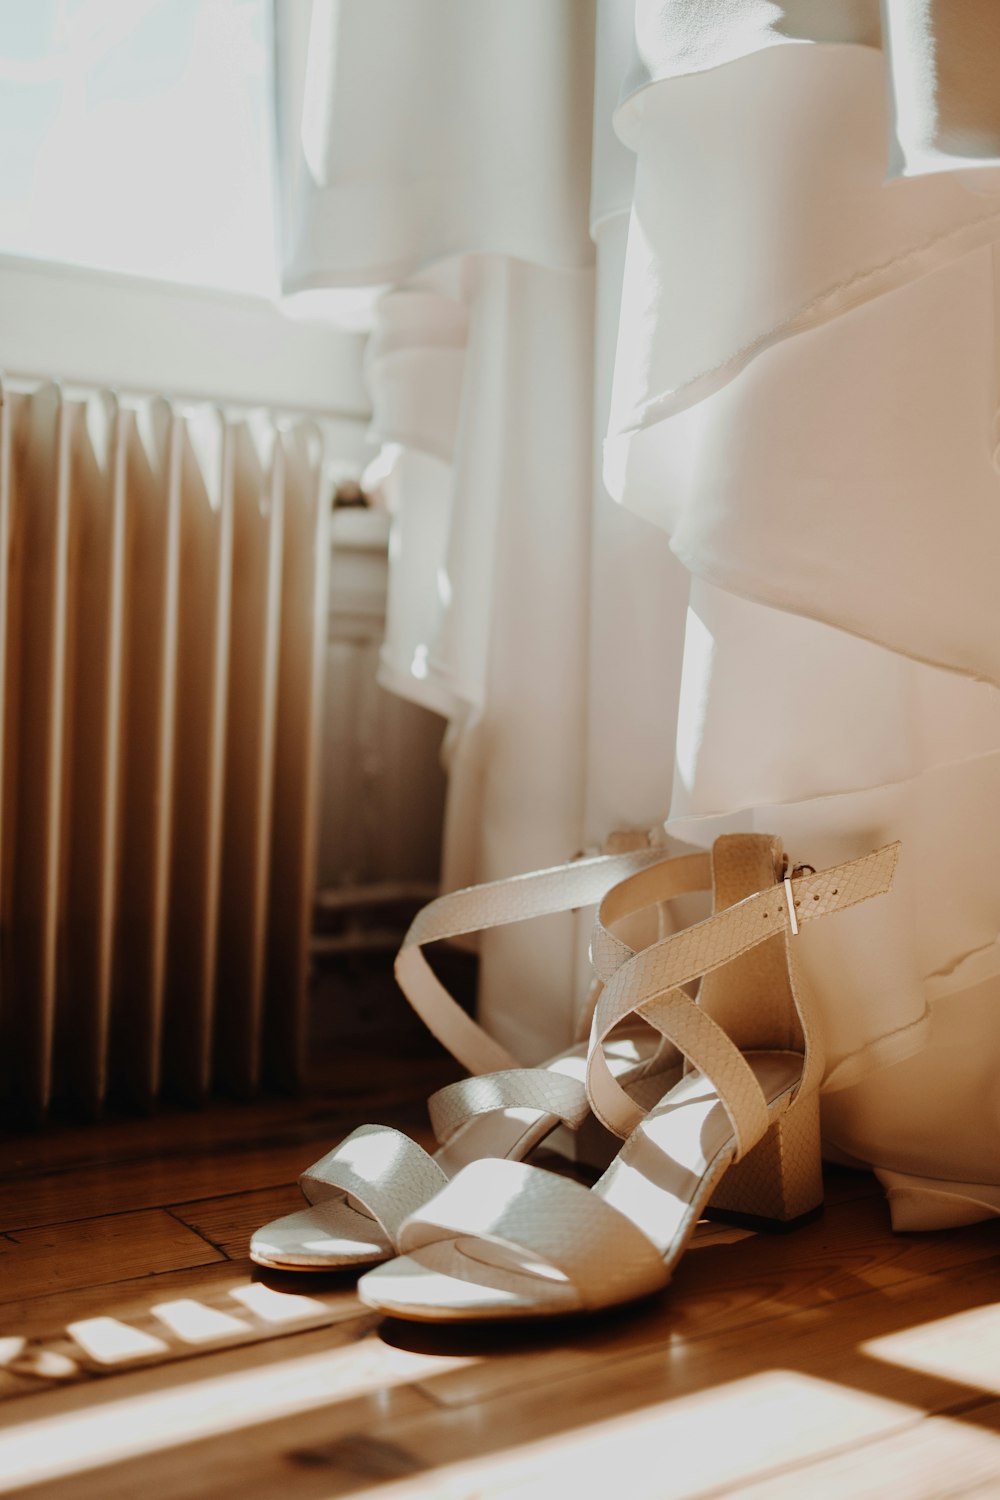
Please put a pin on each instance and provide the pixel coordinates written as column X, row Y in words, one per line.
column 82, row 326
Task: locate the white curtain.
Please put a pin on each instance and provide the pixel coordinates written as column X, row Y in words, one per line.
column 781, row 322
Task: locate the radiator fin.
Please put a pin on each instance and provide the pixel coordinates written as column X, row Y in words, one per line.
column 162, row 626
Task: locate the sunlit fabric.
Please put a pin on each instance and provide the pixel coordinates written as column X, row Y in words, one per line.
column 805, row 398
column 792, row 335
column 408, row 133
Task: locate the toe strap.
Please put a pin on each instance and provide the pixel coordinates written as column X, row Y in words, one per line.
column 543, row 1089
column 547, row 1220
column 382, row 1169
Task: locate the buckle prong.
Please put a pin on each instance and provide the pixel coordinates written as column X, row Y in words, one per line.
column 792, row 918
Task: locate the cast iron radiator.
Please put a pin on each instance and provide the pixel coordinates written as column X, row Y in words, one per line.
column 162, row 626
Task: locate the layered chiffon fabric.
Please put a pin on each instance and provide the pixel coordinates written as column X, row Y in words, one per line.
column 779, row 345
column 411, row 133
column 805, row 399
column 480, row 374
column 434, row 176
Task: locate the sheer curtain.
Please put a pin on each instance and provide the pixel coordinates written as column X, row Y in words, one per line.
column 781, row 321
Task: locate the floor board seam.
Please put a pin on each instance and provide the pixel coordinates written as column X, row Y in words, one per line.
column 118, row 1213
column 126, row 1281
column 93, row 1286
column 199, row 1232
column 479, row 1404
column 803, row 1466
column 643, row 1351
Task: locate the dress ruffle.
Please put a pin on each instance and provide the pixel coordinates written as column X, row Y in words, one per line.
column 805, row 399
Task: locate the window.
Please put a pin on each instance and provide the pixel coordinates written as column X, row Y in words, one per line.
column 135, row 137
column 137, row 242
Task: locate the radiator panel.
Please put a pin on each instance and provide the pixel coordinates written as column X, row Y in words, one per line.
column 162, row 623
column 40, row 498
column 250, row 734
column 295, row 816
column 91, row 749
column 152, row 523
column 202, row 665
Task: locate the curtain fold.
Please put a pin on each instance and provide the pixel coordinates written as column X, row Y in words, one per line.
column 410, row 133
column 783, row 330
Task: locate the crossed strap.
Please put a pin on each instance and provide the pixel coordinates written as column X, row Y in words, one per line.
column 650, row 984
column 581, row 883
column 651, row 886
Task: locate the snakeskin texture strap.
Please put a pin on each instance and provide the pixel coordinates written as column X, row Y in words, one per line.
column 562, row 888
column 649, row 887
column 379, row 1167
column 667, row 966
column 557, row 1221
column 543, row 1089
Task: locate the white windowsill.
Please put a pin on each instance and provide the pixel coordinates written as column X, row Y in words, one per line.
column 135, row 335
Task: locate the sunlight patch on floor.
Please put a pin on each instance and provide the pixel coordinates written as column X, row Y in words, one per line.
column 23, row 1358
column 722, row 1436
column 278, row 1307
column 107, row 1430
column 964, row 1347
column 941, row 1456
column 194, row 1323
column 47, row 1364
column 111, row 1342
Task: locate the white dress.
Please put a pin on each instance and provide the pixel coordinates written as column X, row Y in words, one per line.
column 805, row 399
column 788, row 334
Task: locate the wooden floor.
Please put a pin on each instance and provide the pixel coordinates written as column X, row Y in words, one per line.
column 141, row 1355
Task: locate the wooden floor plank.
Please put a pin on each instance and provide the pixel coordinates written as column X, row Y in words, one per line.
column 942, row 1455
column 220, row 1425
column 109, row 1189
column 932, row 1460
column 94, row 1252
column 395, row 1089
column 229, row 1222
column 799, row 1396
column 131, row 1179
column 50, row 1312
column 798, row 1365
column 728, row 1288
column 246, row 1464
column 12, row 1384
column 186, row 1312
column 725, row 1410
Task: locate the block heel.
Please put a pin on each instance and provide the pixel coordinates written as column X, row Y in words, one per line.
column 779, row 1184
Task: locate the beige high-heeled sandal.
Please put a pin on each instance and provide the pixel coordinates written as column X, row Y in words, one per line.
column 739, row 1128
column 360, row 1192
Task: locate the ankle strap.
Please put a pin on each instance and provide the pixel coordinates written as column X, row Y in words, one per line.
column 667, row 966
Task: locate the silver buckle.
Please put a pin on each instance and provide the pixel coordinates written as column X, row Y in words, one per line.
column 787, row 875
column 792, row 918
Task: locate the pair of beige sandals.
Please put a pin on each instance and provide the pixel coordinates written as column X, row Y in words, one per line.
column 715, row 1098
